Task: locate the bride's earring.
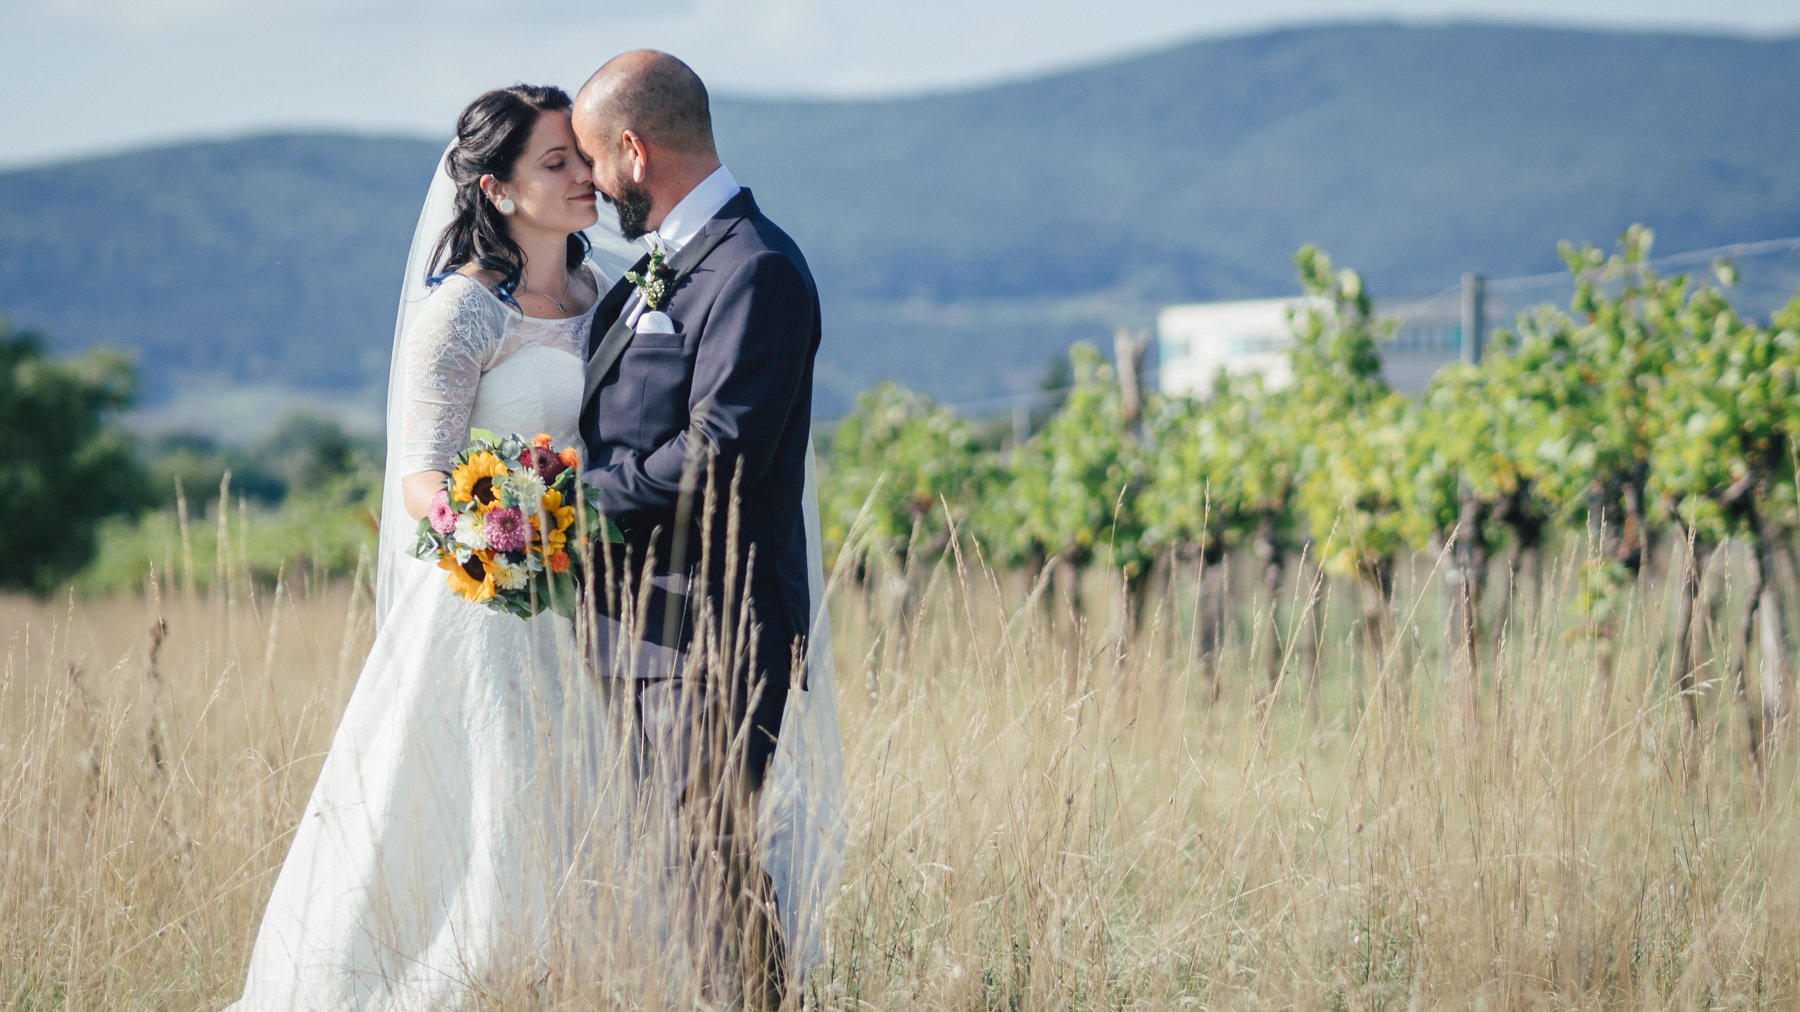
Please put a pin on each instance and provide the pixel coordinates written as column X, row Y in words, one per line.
column 506, row 205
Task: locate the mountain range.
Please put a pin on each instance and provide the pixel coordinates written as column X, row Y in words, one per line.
column 963, row 240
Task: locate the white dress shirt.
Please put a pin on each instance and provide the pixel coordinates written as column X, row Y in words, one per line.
column 685, row 220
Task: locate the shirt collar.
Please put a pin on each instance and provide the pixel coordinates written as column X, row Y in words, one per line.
column 693, row 211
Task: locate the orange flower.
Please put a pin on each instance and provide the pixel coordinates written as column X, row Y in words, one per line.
column 569, row 457
column 559, row 563
column 542, row 440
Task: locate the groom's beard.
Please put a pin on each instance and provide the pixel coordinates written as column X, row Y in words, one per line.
column 633, row 207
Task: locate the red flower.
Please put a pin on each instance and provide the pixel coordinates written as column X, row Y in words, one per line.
column 542, row 461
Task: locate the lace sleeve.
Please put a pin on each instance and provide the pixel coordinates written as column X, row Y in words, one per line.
column 447, row 348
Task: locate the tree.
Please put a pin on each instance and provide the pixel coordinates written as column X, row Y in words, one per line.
column 1722, row 466
column 1222, row 474
column 894, row 462
column 1071, row 489
column 70, row 465
column 1598, row 366
column 1355, row 488
column 905, row 470
column 309, row 452
column 1473, row 486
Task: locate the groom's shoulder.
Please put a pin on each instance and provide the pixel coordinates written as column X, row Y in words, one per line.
column 756, row 233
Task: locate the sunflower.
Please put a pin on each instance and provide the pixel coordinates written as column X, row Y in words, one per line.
column 472, row 580
column 473, row 481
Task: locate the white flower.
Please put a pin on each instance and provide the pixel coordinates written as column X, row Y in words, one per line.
column 528, row 488
column 510, row 577
column 471, row 531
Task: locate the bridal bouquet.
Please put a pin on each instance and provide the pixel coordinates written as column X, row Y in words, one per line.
column 502, row 525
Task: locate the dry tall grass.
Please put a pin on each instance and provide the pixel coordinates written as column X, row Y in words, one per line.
column 1035, row 822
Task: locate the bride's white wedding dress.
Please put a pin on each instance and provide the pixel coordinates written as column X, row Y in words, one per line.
column 438, row 850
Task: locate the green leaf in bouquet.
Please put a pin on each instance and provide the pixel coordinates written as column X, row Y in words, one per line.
column 602, row 525
column 559, row 594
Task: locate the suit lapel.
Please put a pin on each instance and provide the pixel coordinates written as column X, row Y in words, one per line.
column 617, row 336
column 607, row 319
column 612, row 305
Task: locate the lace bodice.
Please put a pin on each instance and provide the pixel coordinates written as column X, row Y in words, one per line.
column 475, row 362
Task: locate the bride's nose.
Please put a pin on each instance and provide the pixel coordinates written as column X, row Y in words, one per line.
column 584, row 173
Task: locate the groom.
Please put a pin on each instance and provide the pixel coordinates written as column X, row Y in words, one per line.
column 703, row 366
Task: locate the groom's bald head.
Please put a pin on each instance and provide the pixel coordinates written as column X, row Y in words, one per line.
column 652, row 94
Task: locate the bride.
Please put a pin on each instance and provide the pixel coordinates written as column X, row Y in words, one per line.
column 466, row 837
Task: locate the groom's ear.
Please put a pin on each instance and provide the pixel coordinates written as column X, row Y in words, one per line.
column 636, row 154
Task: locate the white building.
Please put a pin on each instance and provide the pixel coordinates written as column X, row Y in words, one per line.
column 1194, row 342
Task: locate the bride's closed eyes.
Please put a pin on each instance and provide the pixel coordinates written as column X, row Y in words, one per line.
column 552, row 188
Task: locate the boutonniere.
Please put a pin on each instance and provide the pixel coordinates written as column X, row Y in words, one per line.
column 653, row 282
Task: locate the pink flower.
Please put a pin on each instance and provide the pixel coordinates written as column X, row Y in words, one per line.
column 443, row 518
column 506, row 530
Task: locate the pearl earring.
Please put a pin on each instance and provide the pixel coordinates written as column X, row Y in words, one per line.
column 506, row 205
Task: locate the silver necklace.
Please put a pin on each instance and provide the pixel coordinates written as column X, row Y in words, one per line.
column 560, row 307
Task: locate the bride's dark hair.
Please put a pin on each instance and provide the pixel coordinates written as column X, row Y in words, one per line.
column 490, row 137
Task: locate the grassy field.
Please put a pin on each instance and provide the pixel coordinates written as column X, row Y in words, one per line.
column 1039, row 819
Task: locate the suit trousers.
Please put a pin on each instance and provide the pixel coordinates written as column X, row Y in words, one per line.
column 704, row 749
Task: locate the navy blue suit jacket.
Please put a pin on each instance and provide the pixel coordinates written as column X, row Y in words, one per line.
column 733, row 385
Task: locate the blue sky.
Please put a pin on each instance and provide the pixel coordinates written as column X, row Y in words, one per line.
column 89, row 76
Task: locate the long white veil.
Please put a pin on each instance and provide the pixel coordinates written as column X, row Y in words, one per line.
column 393, row 563
column 802, row 817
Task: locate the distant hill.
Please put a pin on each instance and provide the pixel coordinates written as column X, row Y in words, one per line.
column 962, row 240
